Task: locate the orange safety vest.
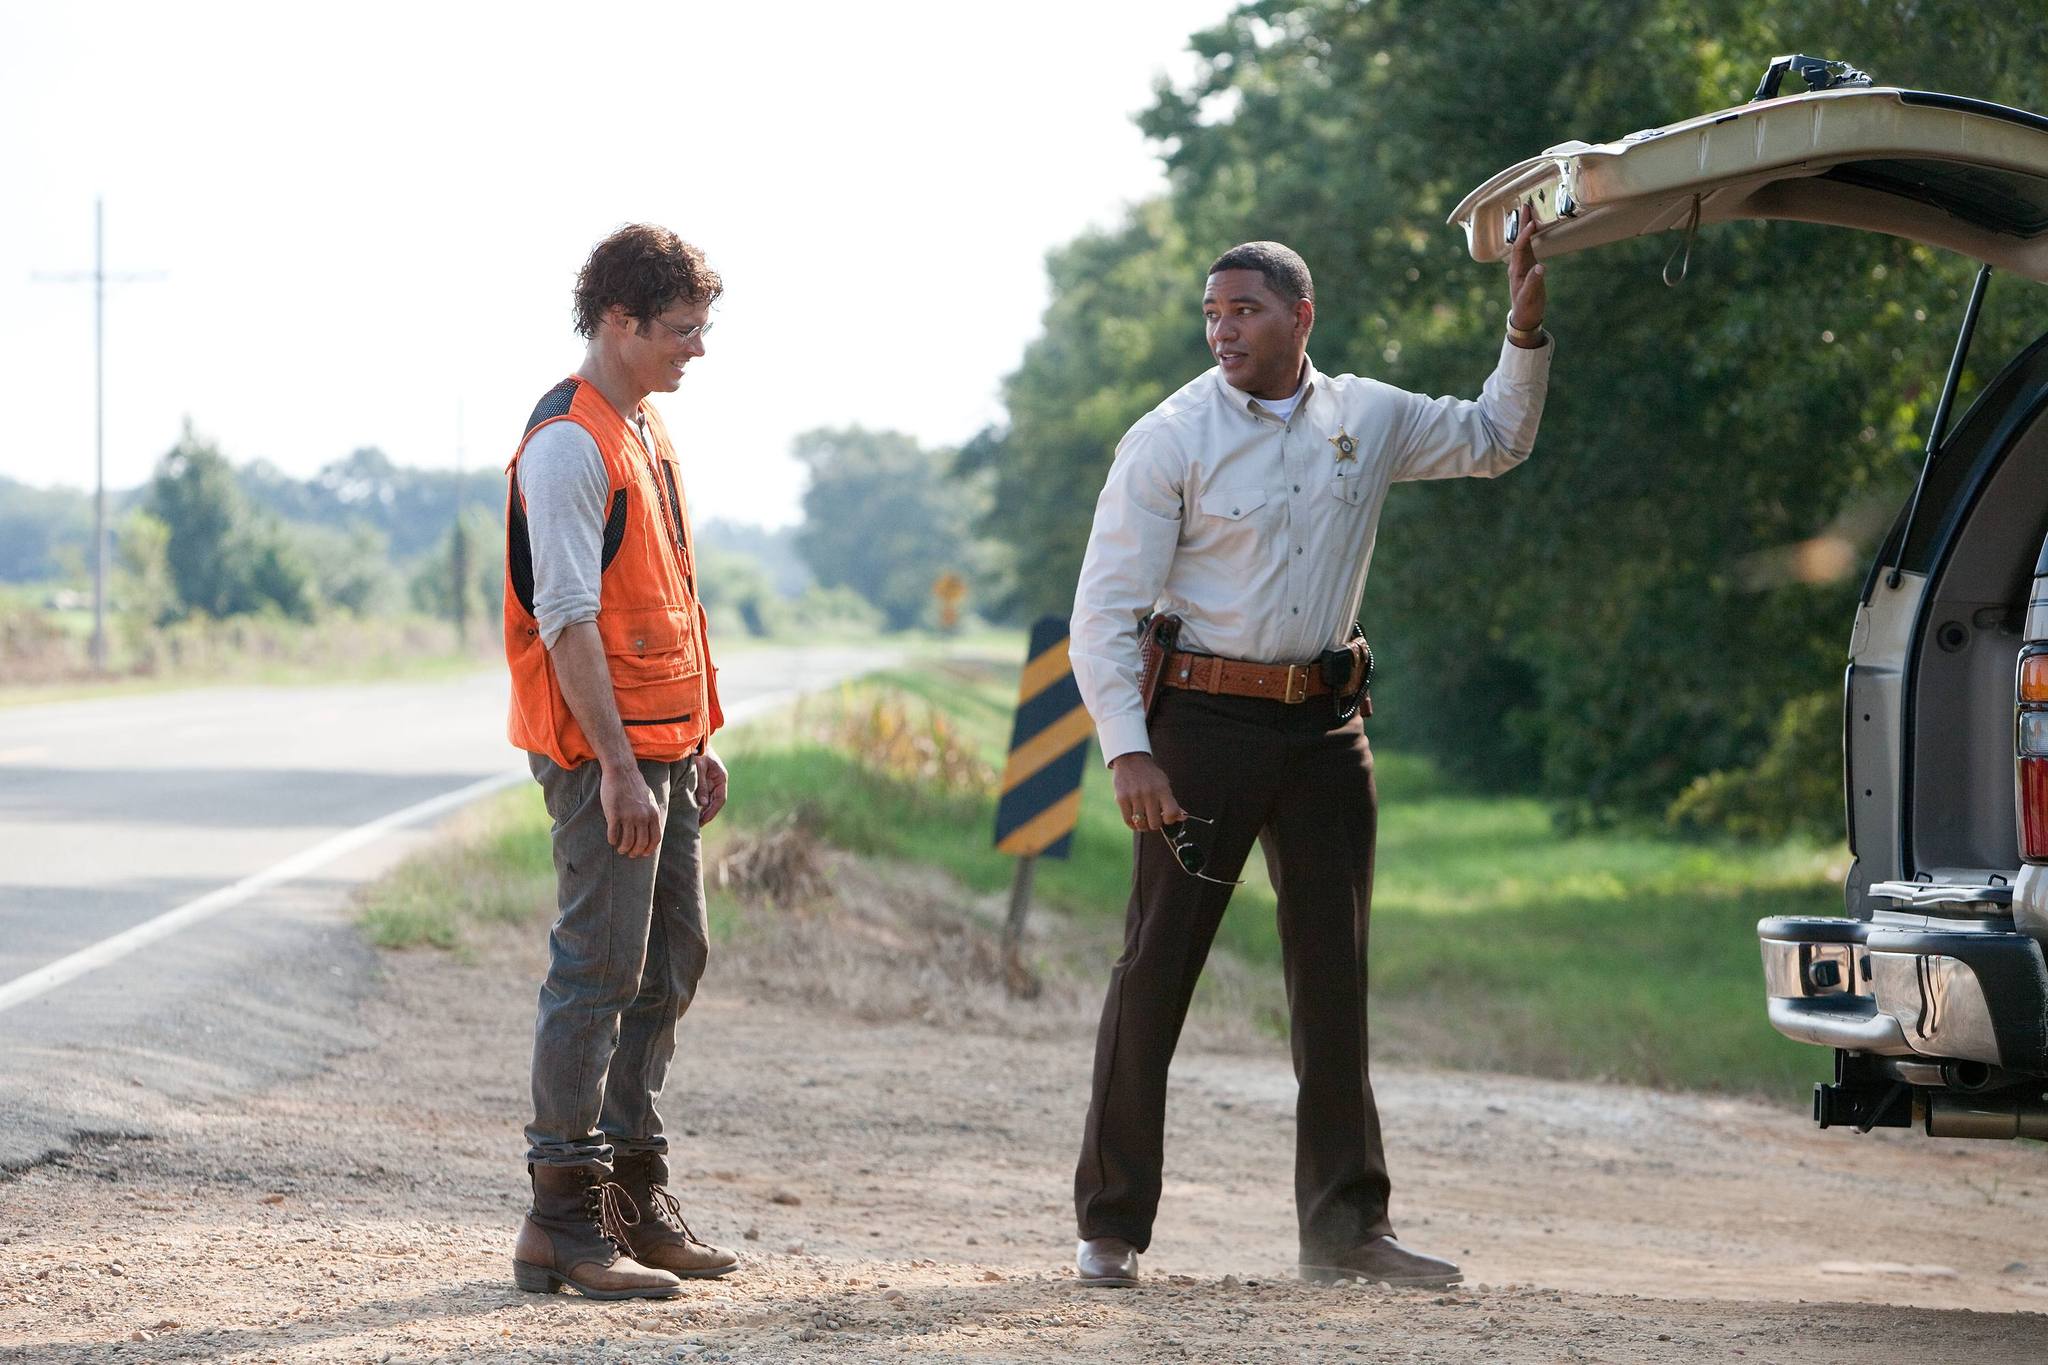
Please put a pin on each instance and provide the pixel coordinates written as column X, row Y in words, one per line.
column 656, row 639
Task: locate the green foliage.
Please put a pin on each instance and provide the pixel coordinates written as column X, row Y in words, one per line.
column 1584, row 625
column 1122, row 332
column 351, row 569
column 1794, row 786
column 742, row 600
column 736, row 589
column 194, row 495
column 411, row 508
column 477, row 543
column 36, row 524
column 775, row 550
column 223, row 560
column 143, row 594
column 882, row 517
column 820, row 611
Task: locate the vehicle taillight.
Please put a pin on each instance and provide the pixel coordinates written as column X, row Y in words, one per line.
column 2034, row 674
column 2030, row 746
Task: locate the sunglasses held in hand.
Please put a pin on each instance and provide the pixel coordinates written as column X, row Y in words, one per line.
column 1181, row 840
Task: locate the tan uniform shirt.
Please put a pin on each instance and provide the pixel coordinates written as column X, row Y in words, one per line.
column 1258, row 533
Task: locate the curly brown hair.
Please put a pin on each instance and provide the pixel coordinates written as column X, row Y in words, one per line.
column 643, row 269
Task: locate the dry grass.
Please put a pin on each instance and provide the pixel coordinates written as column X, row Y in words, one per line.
column 884, row 940
column 779, row 866
column 909, row 740
column 45, row 656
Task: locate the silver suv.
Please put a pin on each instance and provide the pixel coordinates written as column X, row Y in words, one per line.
column 1932, row 991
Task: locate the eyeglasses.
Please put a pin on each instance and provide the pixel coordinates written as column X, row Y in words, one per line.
column 1181, row 840
column 702, row 329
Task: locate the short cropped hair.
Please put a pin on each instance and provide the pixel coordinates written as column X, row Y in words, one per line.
column 644, row 269
column 1286, row 274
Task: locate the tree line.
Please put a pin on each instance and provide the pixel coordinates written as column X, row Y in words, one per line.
column 885, row 518
column 1622, row 624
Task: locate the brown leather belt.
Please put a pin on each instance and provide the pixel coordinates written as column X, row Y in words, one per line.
column 1289, row 683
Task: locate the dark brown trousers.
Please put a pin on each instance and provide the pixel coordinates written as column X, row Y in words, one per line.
column 1299, row 782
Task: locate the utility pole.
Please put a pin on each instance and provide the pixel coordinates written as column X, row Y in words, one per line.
column 100, row 279
column 458, row 548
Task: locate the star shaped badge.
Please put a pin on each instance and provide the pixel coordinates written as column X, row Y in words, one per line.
column 1347, row 445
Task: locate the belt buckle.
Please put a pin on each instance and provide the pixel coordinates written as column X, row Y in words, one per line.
column 1297, row 684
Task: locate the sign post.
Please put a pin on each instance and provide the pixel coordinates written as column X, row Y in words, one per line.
column 1041, row 797
column 949, row 590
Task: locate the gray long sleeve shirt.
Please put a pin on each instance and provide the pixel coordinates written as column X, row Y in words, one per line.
column 562, row 478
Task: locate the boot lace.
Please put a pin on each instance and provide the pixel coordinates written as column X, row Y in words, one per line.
column 667, row 1211
column 611, row 1207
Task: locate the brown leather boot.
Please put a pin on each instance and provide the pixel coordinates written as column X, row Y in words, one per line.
column 576, row 1235
column 661, row 1237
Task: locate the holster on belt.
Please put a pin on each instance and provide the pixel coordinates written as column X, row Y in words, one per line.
column 1348, row 671
column 1159, row 633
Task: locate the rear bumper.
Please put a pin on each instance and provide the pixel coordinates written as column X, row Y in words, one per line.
column 1975, row 994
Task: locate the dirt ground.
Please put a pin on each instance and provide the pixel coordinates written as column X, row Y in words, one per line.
column 889, row 1143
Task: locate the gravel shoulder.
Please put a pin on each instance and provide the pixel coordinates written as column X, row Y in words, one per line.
column 888, row 1142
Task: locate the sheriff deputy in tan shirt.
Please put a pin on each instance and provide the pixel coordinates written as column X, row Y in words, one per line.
column 1245, row 505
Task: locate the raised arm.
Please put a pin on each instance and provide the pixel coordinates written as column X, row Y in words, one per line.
column 1448, row 438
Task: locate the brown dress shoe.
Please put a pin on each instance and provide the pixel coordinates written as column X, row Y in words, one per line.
column 1382, row 1261
column 661, row 1238
column 574, row 1237
column 1106, row 1263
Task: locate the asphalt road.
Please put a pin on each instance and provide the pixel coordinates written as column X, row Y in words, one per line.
column 117, row 812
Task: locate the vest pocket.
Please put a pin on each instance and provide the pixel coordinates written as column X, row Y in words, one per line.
column 647, row 646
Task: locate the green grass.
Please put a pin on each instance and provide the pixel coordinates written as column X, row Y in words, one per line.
column 1498, row 943
column 240, row 651
column 495, row 868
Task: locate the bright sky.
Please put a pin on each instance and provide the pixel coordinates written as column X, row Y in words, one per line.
column 369, row 217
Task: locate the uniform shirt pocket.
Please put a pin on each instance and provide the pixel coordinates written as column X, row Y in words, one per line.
column 1347, row 483
column 1232, row 504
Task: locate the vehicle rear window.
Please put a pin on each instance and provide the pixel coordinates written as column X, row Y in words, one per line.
column 2000, row 201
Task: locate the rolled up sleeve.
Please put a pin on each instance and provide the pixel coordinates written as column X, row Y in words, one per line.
column 1449, row 438
column 1130, row 550
column 562, row 478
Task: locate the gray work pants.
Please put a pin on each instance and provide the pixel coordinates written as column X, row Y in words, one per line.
column 623, row 962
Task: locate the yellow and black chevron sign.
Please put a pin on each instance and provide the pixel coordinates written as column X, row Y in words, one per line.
column 1041, row 799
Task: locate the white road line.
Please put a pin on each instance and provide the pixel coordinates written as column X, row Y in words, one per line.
column 47, row 978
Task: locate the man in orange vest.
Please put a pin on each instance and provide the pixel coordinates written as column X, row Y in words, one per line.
column 614, row 699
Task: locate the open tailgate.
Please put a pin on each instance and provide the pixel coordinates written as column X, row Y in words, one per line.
column 1956, row 173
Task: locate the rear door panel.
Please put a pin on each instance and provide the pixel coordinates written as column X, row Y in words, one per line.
column 1959, row 174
